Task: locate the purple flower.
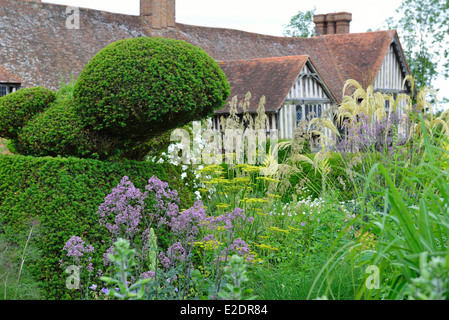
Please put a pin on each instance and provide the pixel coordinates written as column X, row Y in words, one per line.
column 187, row 223
column 148, row 275
column 77, row 249
column 122, row 209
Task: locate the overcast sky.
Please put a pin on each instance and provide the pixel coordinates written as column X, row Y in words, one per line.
column 261, row 16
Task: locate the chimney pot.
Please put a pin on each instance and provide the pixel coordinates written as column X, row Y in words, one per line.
column 159, row 14
column 332, row 23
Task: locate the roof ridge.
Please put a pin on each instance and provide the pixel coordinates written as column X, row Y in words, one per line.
column 267, row 58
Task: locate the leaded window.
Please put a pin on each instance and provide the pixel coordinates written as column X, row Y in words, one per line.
column 298, row 113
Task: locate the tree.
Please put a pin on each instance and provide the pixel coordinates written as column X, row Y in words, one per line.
column 301, row 25
column 423, row 26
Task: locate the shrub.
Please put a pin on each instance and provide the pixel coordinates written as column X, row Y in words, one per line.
column 17, row 108
column 54, row 132
column 58, row 132
column 136, row 88
column 64, row 195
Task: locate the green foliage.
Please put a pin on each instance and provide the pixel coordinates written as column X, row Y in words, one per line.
column 137, row 88
column 123, row 105
column 54, row 132
column 236, row 276
column 57, row 131
column 433, row 282
column 124, row 263
column 301, row 25
column 152, row 251
column 63, row 194
column 17, row 108
column 15, row 261
column 423, row 28
column 306, row 180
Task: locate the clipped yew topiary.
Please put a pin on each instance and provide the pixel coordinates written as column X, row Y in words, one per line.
column 17, row 108
column 58, row 132
column 51, row 133
column 138, row 88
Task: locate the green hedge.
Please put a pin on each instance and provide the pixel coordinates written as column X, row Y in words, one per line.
column 63, row 194
column 18, row 107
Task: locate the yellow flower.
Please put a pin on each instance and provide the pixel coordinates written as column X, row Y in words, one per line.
column 254, row 200
column 240, row 179
column 269, row 247
column 249, row 168
column 212, row 244
column 279, row 230
column 267, row 179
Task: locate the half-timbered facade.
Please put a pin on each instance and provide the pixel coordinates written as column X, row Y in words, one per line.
column 310, row 95
column 292, row 87
column 308, row 98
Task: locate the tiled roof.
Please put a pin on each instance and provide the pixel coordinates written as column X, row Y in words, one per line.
column 269, row 77
column 37, row 46
column 7, row 76
column 338, row 57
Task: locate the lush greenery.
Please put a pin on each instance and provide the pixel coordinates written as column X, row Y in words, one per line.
column 16, row 109
column 62, row 195
column 366, row 222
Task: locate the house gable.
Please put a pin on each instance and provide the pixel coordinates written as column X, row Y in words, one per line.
column 272, row 78
column 308, row 98
column 391, row 75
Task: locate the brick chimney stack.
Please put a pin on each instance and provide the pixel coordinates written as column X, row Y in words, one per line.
column 332, row 23
column 159, row 14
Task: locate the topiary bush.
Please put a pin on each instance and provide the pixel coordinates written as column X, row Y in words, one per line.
column 137, row 88
column 131, row 92
column 17, row 108
column 58, row 132
column 64, row 194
